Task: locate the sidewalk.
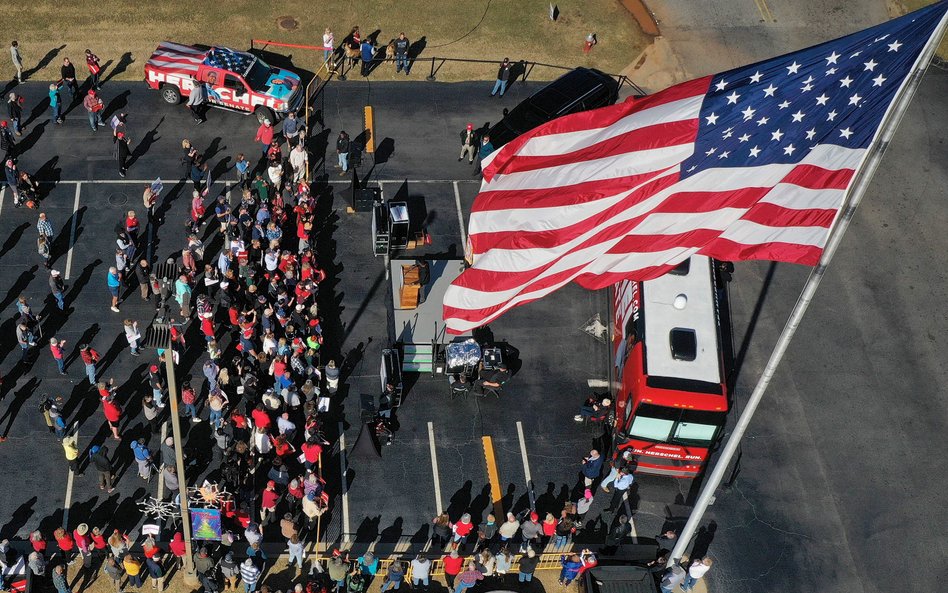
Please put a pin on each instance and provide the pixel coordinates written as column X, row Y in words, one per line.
column 279, row 577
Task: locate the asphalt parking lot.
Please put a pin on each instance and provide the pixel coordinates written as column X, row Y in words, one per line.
column 833, row 489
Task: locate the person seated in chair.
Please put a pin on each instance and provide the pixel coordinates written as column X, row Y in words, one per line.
column 594, row 408
column 459, row 384
column 490, row 379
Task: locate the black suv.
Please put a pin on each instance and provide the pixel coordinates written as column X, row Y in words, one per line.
column 578, row 90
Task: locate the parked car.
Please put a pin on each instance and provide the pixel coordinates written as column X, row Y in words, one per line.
column 240, row 81
column 577, row 90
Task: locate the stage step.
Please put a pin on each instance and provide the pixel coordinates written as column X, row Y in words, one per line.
column 418, row 358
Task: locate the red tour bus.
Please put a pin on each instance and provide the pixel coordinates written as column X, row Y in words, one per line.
column 670, row 367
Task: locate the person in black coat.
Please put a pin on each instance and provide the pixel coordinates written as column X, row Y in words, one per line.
column 100, row 460
column 68, row 73
column 15, row 111
column 122, row 151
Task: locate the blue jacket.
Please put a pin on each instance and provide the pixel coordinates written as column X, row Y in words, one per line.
column 141, row 452
column 592, row 467
column 366, row 51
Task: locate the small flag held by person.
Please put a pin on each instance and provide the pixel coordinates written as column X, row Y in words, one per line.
column 751, row 163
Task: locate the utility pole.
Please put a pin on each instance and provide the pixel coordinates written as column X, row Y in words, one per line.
column 190, row 577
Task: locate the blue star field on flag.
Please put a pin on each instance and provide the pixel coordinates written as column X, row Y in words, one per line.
column 777, row 110
column 228, row 59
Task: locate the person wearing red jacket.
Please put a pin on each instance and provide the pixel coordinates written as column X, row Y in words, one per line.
column 65, row 543
column 98, row 539
column 260, row 417
column 265, row 135
column 89, row 358
column 461, row 530
column 92, row 62
column 38, row 542
column 312, row 450
column 112, row 411
column 177, row 549
column 452, row 567
column 268, row 503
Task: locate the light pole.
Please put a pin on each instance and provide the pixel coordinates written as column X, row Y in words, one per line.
column 190, row 577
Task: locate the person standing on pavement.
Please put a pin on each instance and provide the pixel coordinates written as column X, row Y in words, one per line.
column 44, row 228
column 25, row 339
column 56, row 348
column 42, row 248
column 133, row 336
column 15, row 112
column 17, row 59
column 92, row 63
column 673, row 576
column 54, row 106
column 401, row 53
column 503, row 75
column 622, row 484
column 89, row 357
column 531, row 531
column 56, row 286
column 299, row 160
column 68, row 73
column 99, row 457
column 114, row 571
column 468, row 143
column 204, row 567
column 342, row 149
column 111, row 410
column 250, row 574
column 182, row 294
column 265, row 135
column 622, row 461
column 292, row 130
column 196, row 100
column 114, row 281
column 614, row 537
column 592, row 467
column 149, row 200
column 7, row 143
column 94, row 107
column 142, row 458
column 122, row 152
column 71, row 449
column 696, row 571
column 143, row 275
column 509, row 528
column 452, row 567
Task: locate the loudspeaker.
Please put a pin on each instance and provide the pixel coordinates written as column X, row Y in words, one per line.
column 364, row 198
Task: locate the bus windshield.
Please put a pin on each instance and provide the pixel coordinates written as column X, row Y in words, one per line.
column 676, row 426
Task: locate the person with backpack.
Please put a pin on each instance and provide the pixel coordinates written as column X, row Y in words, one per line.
column 356, row 581
column 189, row 399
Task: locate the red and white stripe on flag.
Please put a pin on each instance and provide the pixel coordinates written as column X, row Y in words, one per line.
column 598, row 197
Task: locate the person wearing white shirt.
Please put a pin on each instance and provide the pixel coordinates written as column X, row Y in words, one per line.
column 697, row 570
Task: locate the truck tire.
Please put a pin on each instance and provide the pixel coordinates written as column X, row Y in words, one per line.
column 263, row 113
column 170, row 94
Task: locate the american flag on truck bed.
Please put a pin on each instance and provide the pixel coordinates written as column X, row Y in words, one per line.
column 177, row 58
column 228, row 59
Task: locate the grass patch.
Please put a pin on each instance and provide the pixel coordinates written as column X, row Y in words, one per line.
column 126, row 33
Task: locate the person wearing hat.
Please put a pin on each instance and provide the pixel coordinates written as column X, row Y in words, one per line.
column 268, row 503
column 142, row 458
column 7, row 143
column 468, row 143
column 230, row 570
column 56, row 285
column 81, row 536
column 531, row 531
column 503, row 75
column 56, row 347
column 204, row 568
column 94, row 107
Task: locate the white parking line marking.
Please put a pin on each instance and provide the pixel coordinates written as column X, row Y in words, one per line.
column 457, row 202
column 68, row 502
column 345, row 483
column 72, row 232
column 434, row 469
column 523, row 455
column 3, row 192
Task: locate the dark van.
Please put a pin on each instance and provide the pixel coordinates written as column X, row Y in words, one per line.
column 578, row 90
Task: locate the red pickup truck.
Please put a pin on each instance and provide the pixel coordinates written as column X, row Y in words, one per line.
column 237, row 80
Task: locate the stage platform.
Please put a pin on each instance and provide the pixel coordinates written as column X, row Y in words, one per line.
column 424, row 323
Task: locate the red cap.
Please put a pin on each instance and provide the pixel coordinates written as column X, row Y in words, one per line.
column 470, row 126
column 271, row 484
column 120, row 135
column 92, row 92
column 534, row 516
column 3, row 124
column 153, row 368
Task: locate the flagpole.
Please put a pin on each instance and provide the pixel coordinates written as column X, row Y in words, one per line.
column 856, row 193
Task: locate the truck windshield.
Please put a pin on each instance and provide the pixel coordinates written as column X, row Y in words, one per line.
column 258, row 74
column 676, row 426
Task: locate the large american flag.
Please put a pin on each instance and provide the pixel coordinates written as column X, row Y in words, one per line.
column 752, row 163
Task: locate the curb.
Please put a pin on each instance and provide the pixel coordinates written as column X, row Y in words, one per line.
column 642, row 15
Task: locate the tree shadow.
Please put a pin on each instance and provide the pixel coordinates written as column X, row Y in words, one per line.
column 124, row 62
column 141, row 149
column 44, row 61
